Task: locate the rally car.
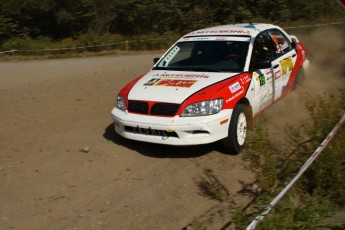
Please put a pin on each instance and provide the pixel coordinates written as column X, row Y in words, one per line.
column 209, row 86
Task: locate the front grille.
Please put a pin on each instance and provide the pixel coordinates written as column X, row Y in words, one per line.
column 138, row 107
column 151, row 132
column 160, row 109
column 164, row 109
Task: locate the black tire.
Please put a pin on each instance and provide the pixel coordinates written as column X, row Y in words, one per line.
column 299, row 78
column 235, row 141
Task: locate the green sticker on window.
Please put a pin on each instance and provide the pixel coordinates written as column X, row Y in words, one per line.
column 262, row 79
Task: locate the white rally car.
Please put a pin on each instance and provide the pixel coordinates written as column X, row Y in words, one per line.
column 210, row 85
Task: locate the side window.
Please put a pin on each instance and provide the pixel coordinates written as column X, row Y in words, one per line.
column 262, row 47
column 281, row 44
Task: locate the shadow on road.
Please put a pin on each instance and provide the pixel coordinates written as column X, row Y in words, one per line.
column 158, row 150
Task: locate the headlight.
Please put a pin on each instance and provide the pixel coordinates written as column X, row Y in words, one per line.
column 203, row 108
column 120, row 103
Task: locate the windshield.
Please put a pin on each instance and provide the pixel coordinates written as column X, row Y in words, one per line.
column 209, row 55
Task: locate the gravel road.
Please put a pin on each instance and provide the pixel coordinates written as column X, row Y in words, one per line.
column 62, row 167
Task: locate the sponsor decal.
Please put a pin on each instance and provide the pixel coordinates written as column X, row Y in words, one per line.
column 235, row 96
column 235, row 87
column 277, row 75
column 221, row 32
column 262, row 79
column 148, row 131
column 245, row 79
column 180, row 83
column 266, row 100
column 201, row 39
column 268, row 71
column 152, row 81
column 286, row 65
column 180, row 75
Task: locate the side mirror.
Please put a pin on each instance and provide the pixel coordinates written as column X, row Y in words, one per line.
column 155, row 60
column 294, row 43
column 261, row 64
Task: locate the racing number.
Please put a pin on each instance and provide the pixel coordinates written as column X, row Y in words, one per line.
column 262, row 79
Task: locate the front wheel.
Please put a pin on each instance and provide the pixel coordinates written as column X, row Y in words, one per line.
column 237, row 134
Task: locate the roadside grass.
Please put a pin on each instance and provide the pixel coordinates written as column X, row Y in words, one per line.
column 26, row 48
column 16, row 58
column 23, row 48
column 320, row 192
column 210, row 186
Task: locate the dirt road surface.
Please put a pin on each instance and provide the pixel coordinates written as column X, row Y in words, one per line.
column 62, row 167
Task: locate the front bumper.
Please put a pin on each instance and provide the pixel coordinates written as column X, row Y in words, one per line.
column 172, row 130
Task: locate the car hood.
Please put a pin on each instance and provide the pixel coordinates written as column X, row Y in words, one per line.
column 173, row 86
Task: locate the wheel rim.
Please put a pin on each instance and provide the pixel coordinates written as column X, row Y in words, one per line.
column 241, row 129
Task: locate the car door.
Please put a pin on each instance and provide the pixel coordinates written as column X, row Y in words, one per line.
column 283, row 62
column 262, row 72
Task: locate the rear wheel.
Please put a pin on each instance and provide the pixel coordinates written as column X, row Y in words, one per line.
column 299, row 78
column 237, row 134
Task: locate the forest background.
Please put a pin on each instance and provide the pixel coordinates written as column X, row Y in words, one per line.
column 26, row 26
column 38, row 24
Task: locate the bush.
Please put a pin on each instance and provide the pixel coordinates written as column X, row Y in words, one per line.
column 320, row 191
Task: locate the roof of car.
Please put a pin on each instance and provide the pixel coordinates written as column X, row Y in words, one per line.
column 244, row 29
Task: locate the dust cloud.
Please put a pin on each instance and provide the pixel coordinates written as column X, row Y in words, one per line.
column 326, row 75
column 326, row 49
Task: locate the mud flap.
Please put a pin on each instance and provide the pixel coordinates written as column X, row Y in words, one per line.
column 250, row 121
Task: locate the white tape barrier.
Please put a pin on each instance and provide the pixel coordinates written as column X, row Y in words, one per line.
column 126, row 42
column 67, row 48
column 317, row 152
column 316, row 25
column 82, row 47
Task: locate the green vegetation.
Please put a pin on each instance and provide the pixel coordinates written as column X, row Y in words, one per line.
column 211, row 187
column 42, row 24
column 320, row 192
column 87, row 43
